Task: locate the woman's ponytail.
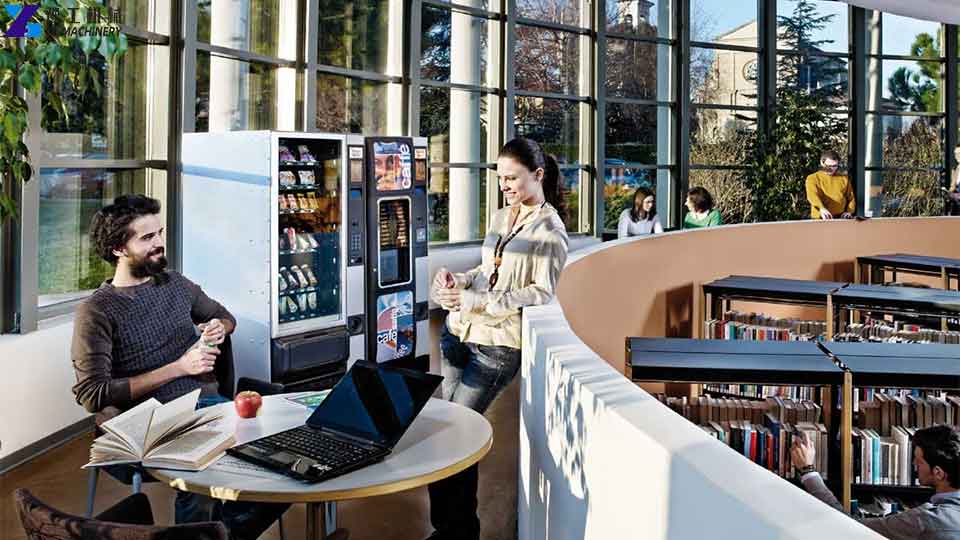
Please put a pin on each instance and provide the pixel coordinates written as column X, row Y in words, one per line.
column 531, row 156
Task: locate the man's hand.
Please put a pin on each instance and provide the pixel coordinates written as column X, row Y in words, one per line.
column 846, row 215
column 825, row 214
column 449, row 299
column 212, row 332
column 443, row 279
column 803, row 452
column 197, row 360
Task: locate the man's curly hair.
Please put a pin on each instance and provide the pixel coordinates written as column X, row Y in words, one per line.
column 941, row 448
column 110, row 227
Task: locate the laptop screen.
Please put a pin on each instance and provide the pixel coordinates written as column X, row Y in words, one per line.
column 374, row 403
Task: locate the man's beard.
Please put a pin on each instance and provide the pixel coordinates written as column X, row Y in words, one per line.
column 148, row 267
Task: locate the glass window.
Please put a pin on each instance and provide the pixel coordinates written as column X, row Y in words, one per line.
column 442, row 107
column 906, row 36
column 907, row 141
column 155, row 17
column 631, row 134
column 724, row 78
column 68, row 263
column 235, row 95
column 643, row 18
column 267, row 27
column 557, row 11
column 632, row 69
column 813, row 26
column 720, row 136
column 571, row 193
column 128, row 120
column 357, row 34
column 911, row 193
column 347, row 105
column 731, row 196
column 824, row 76
column 730, row 22
column 547, row 60
column 911, row 86
column 466, row 190
column 554, row 123
column 453, row 47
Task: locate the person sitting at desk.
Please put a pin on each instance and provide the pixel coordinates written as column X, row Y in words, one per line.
column 134, row 339
column 936, row 455
column 641, row 218
column 701, row 212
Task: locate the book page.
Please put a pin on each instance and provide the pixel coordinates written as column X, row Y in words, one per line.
column 195, row 421
column 132, row 425
column 109, row 449
column 190, row 447
column 169, row 416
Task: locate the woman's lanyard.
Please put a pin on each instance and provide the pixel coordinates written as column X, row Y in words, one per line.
column 501, row 246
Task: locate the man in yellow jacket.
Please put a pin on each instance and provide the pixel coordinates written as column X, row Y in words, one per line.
column 830, row 194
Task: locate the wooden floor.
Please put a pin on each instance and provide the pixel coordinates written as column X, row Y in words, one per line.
column 56, row 478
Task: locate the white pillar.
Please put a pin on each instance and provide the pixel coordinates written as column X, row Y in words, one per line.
column 464, row 209
column 872, row 190
column 287, row 77
column 395, row 100
column 229, row 20
column 665, row 188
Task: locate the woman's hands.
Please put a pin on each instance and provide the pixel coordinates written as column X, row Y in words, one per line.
column 444, row 291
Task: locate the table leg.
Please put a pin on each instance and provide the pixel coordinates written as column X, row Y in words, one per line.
column 330, row 515
column 316, row 527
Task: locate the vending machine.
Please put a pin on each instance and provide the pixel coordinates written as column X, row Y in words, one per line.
column 273, row 231
column 387, row 207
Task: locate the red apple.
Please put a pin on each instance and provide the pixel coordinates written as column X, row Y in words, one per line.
column 247, row 404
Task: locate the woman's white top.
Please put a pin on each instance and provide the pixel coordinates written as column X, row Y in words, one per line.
column 628, row 227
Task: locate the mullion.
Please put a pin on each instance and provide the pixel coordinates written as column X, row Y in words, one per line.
column 546, row 25
column 724, row 47
column 467, row 10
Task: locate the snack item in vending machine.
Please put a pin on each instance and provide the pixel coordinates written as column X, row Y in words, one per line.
column 281, row 281
column 291, row 237
column 291, row 202
column 283, row 202
column 312, row 300
column 283, row 306
column 312, row 200
column 287, row 179
column 305, row 154
column 308, row 272
column 307, row 178
column 286, row 154
column 302, row 301
column 302, row 279
column 291, row 305
column 302, row 201
column 312, row 241
column 302, row 243
column 292, row 280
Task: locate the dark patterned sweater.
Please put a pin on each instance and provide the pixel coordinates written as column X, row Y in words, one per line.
column 122, row 332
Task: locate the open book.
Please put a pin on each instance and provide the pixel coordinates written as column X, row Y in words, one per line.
column 169, row 436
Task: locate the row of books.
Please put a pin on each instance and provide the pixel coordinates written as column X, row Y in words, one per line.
column 909, row 410
column 762, row 431
column 764, row 391
column 759, row 327
column 883, row 460
column 706, row 409
column 885, row 332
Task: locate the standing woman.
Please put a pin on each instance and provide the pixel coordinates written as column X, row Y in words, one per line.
column 641, row 218
column 522, row 255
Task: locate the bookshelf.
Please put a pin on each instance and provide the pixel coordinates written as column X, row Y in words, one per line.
column 717, row 295
column 898, row 366
column 872, row 269
column 697, row 362
column 848, row 303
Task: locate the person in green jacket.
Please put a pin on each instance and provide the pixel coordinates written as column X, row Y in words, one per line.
column 701, row 211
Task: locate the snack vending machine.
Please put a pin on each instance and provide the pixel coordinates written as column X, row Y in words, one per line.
column 387, row 239
column 264, row 235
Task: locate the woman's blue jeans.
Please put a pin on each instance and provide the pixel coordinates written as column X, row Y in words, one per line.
column 473, row 376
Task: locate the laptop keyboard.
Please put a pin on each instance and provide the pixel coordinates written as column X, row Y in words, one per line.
column 320, row 447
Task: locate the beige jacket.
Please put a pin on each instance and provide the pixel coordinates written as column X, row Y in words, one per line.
column 528, row 277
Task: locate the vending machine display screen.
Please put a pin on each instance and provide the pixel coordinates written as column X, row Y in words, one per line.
column 392, row 165
column 394, row 242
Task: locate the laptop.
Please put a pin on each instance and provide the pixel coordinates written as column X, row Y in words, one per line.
column 358, row 424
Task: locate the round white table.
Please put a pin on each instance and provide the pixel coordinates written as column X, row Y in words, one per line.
column 443, row 440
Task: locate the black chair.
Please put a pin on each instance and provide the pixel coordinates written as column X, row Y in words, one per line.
column 130, row 519
column 134, row 475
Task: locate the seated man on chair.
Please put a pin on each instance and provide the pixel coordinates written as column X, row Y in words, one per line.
column 134, row 339
column 936, row 455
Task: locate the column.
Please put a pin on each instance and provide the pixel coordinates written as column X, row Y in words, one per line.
column 228, row 93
